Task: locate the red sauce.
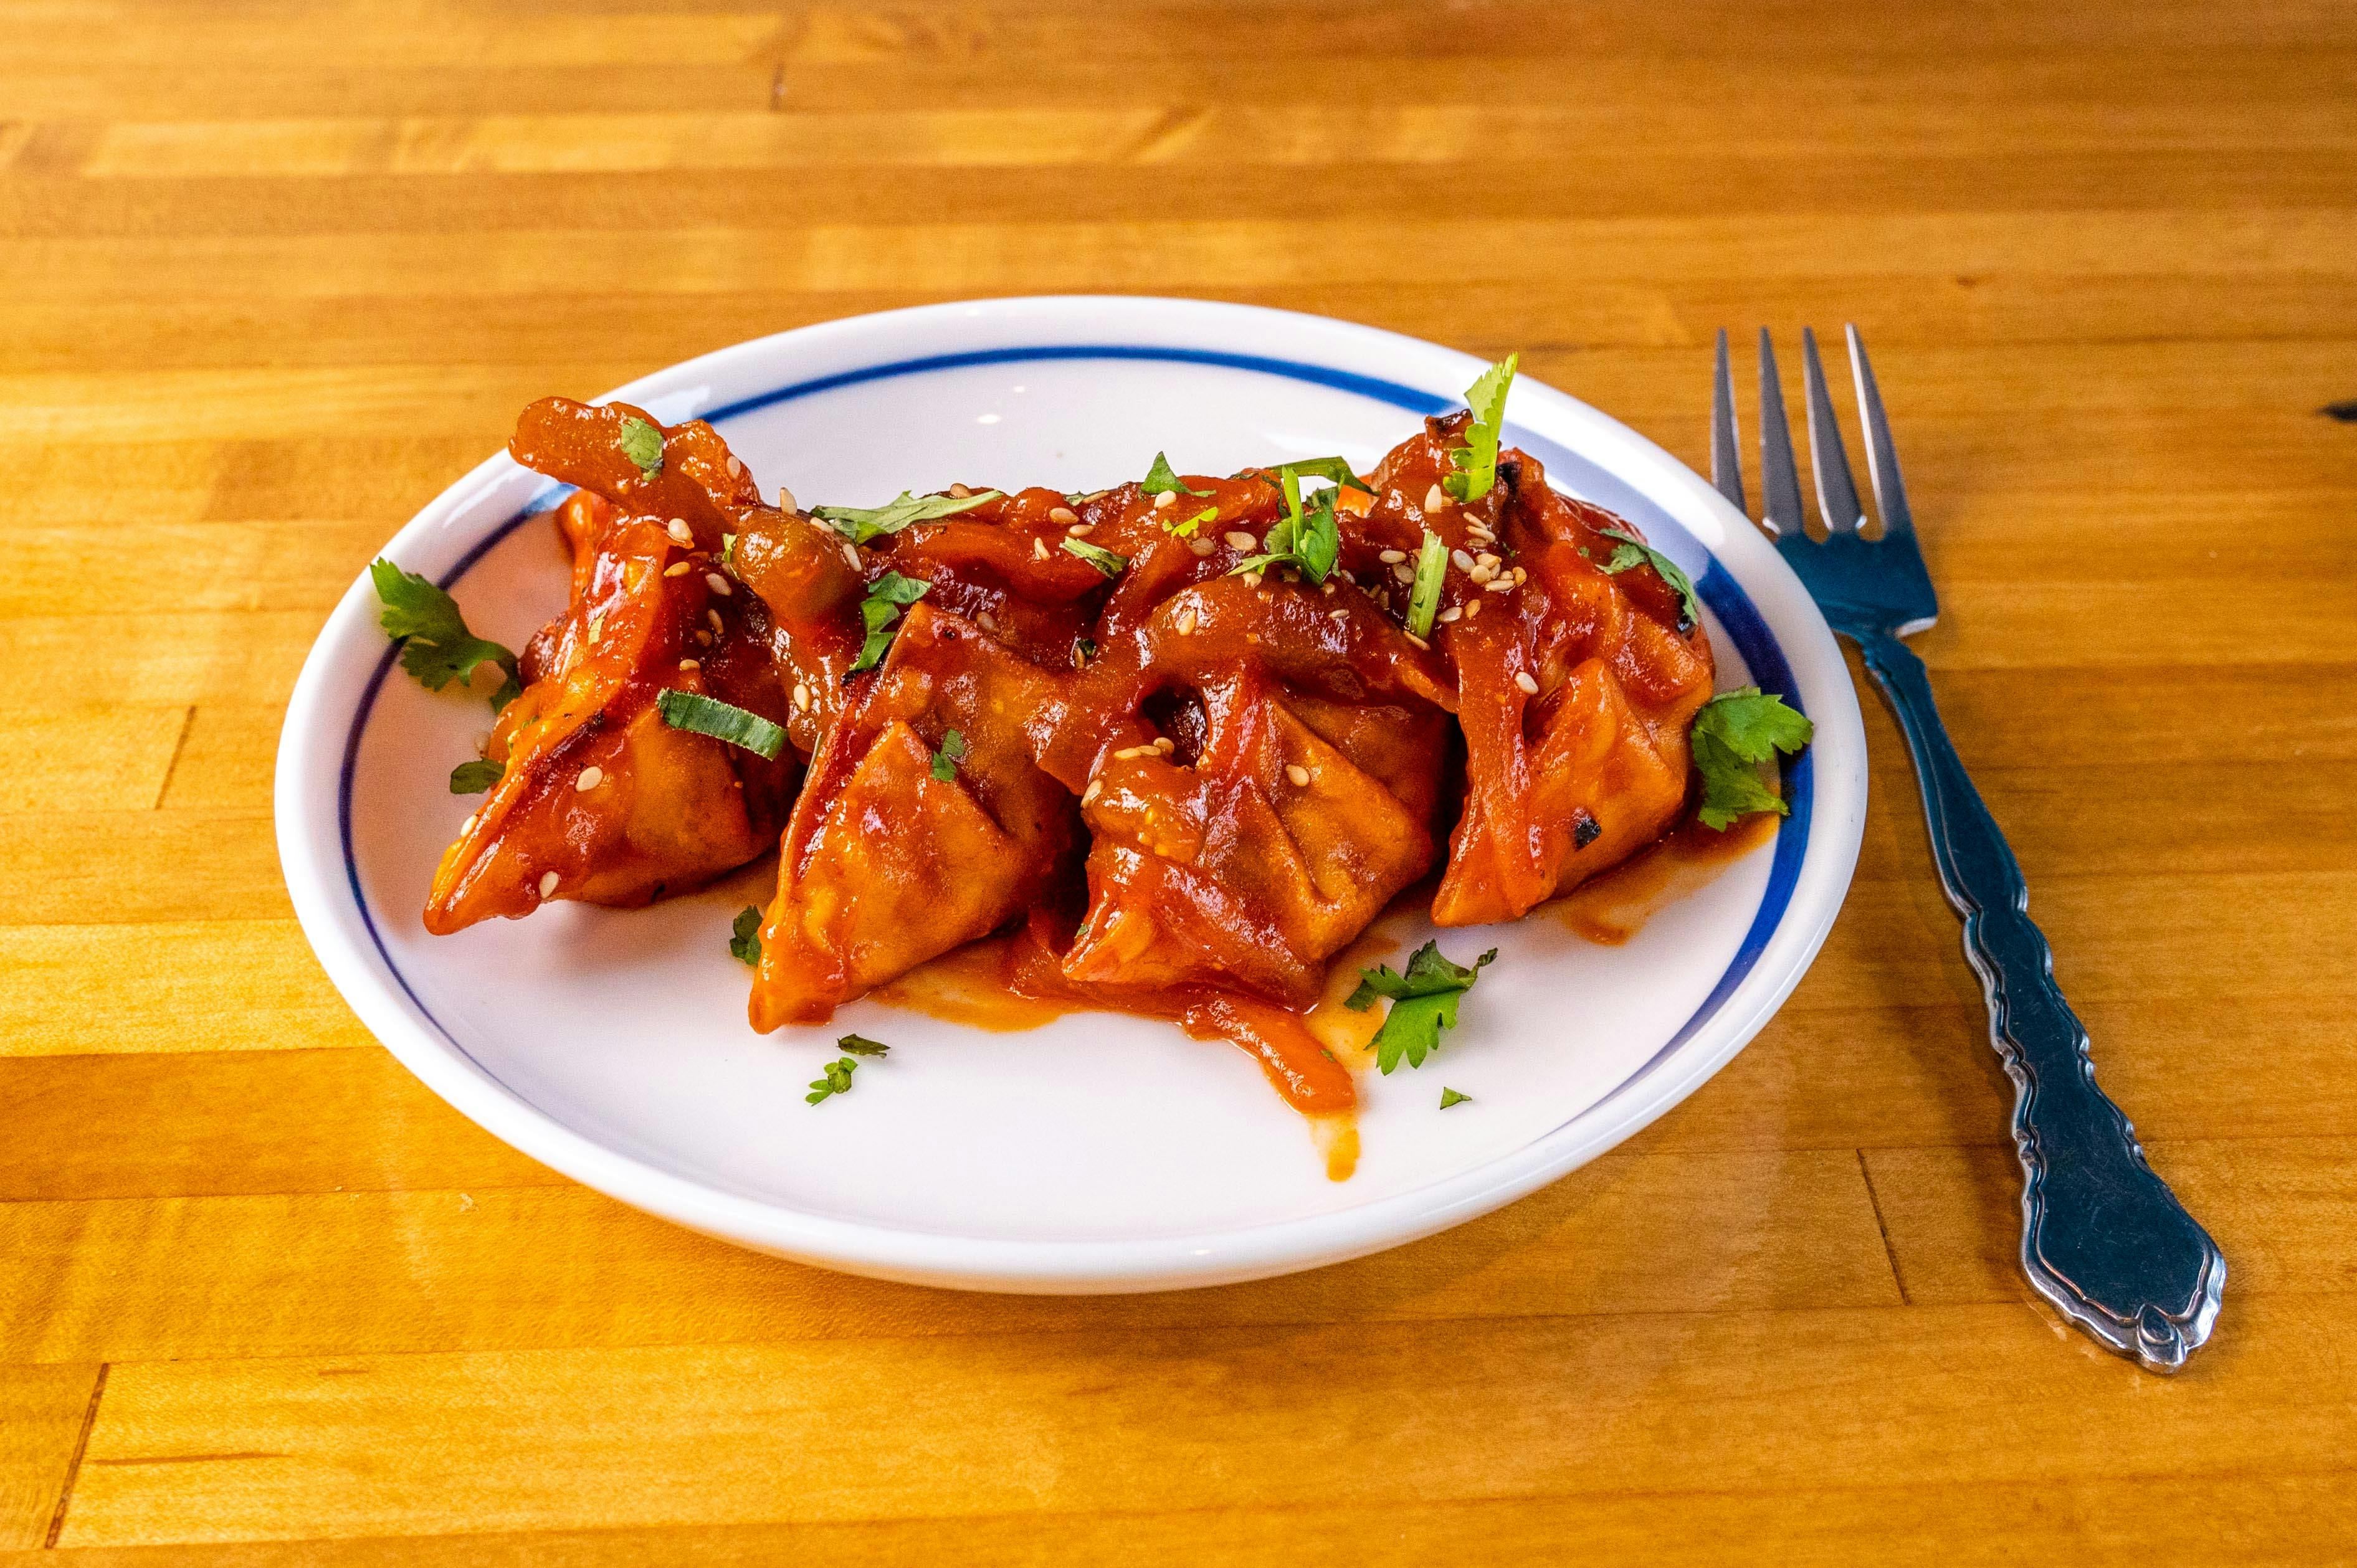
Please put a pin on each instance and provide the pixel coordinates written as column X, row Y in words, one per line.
column 1615, row 906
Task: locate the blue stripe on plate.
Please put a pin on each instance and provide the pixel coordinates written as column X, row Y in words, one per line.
column 1719, row 590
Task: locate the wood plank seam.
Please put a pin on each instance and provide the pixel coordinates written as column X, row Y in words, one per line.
column 73, row 1465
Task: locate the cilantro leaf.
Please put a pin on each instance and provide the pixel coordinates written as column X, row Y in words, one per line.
column 952, row 752
column 438, row 649
column 861, row 1045
column 1187, row 529
column 1476, row 462
column 745, row 936
column 1736, row 732
column 1104, row 560
column 722, row 720
column 1423, row 601
column 1160, row 481
column 1449, row 1097
column 836, row 1081
column 1424, row 1003
column 474, row 777
column 642, row 444
column 878, row 611
column 860, row 524
column 1632, row 550
column 1308, row 537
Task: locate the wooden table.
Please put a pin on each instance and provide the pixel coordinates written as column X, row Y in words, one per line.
column 273, row 274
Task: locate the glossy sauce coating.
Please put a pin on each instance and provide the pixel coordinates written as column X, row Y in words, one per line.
column 1182, row 787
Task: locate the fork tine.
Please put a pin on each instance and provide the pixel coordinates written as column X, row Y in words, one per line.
column 1836, row 495
column 1881, row 457
column 1780, row 481
column 1726, row 457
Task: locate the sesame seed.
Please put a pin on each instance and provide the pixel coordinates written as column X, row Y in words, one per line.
column 802, row 695
column 1096, row 786
column 1435, row 498
column 677, row 569
column 1523, row 679
column 1326, row 587
column 1489, row 560
column 1237, row 539
column 1297, row 774
column 1082, row 530
column 1403, row 572
column 1520, row 576
column 691, row 664
column 1472, row 610
column 1391, row 558
column 703, row 639
column 1202, row 546
column 1479, row 573
column 1339, row 617
column 589, row 779
column 1252, row 579
column 718, row 626
column 1451, row 613
column 1421, row 646
column 717, row 583
column 1166, row 500
column 960, row 491
column 677, row 528
column 468, row 825
column 1062, row 514
column 1482, row 531
column 547, row 884
column 1498, row 586
column 735, row 467
column 985, row 620
column 1187, row 621
column 786, row 500
column 1165, row 745
column 1464, row 561
column 1038, row 550
column 1128, row 752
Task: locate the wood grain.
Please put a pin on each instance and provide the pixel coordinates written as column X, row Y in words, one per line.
column 271, row 277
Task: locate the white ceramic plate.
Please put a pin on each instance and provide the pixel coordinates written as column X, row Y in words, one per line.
column 1098, row 1153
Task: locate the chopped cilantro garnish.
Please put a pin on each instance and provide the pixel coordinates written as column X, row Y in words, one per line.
column 1424, row 1003
column 1187, row 529
column 1431, row 567
column 836, row 1081
column 642, row 444
column 721, row 721
column 1449, row 1097
column 1476, row 462
column 861, row 1045
column 880, row 611
column 1307, row 537
column 951, row 753
column 860, row 524
column 474, row 777
column 439, row 649
column 1104, row 560
column 728, row 554
column 1736, row 732
column 1632, row 550
column 745, row 936
column 1160, row 481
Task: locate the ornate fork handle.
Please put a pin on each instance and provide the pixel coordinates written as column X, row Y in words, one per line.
column 2101, row 1237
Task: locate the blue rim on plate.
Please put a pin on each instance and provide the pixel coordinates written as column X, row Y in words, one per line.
column 1719, row 589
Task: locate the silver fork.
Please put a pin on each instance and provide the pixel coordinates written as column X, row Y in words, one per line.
column 2101, row 1237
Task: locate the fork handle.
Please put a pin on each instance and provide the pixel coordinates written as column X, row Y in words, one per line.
column 2101, row 1237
